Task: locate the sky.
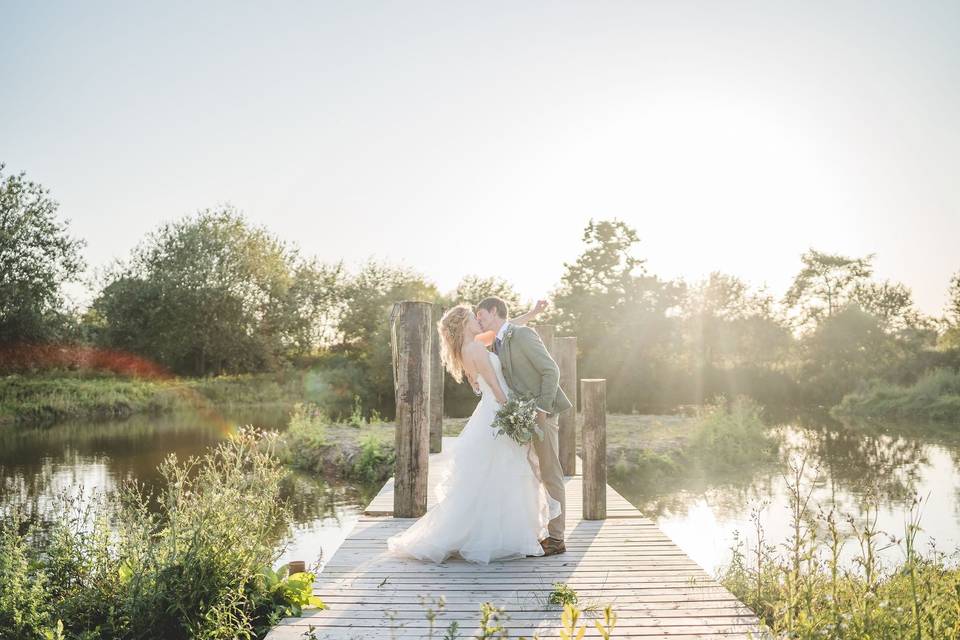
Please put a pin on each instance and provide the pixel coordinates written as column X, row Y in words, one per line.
column 480, row 138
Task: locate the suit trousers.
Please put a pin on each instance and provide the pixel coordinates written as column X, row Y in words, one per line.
column 548, row 452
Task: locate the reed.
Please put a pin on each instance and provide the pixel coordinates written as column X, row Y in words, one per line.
column 801, row 588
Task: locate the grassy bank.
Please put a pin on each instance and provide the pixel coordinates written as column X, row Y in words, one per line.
column 719, row 440
column 935, row 397
column 33, row 400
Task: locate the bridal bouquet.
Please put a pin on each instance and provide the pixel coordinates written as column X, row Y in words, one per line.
column 518, row 419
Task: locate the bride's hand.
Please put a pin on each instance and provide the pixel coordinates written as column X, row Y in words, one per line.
column 538, row 308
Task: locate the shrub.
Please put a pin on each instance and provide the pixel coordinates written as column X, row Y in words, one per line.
column 375, row 460
column 354, row 451
column 729, row 434
column 24, row 594
column 200, row 555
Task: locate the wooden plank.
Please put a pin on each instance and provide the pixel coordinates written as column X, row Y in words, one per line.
column 625, row 560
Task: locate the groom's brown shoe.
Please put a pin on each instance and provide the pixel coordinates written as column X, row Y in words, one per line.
column 552, row 546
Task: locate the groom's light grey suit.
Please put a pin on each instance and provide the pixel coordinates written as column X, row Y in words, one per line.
column 529, row 370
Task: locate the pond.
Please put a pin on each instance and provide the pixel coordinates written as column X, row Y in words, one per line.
column 699, row 513
column 79, row 459
column 843, row 467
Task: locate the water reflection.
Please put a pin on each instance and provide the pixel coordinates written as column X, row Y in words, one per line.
column 82, row 459
column 846, row 465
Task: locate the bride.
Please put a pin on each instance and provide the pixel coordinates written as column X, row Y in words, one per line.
column 491, row 504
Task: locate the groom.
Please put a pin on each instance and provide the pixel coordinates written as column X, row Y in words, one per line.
column 529, row 370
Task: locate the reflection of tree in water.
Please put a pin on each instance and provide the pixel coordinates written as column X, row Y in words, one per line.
column 38, row 491
column 675, row 493
column 851, row 461
column 940, row 434
column 38, row 462
column 860, row 462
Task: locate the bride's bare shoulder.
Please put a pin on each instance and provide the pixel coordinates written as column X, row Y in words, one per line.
column 474, row 350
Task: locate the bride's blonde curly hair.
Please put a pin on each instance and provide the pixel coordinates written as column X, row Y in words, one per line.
column 451, row 327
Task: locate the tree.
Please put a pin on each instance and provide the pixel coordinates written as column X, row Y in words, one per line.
column 849, row 347
column 602, row 280
column 472, row 289
column 951, row 335
column 205, row 294
column 953, row 299
column 361, row 363
column 37, row 256
column 892, row 303
column 316, row 304
column 825, row 285
column 725, row 324
column 620, row 315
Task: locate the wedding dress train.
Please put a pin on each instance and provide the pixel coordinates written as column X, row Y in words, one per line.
column 491, row 504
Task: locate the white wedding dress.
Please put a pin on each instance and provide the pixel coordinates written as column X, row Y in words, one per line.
column 491, row 504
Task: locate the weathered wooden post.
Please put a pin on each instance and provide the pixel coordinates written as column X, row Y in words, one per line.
column 566, row 356
column 411, row 326
column 593, row 395
column 436, row 384
column 546, row 333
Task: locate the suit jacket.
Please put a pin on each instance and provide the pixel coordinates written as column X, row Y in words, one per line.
column 529, row 369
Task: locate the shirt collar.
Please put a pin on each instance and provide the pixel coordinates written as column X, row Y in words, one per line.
column 502, row 331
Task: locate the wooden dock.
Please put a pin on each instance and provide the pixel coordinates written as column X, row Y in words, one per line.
column 656, row 590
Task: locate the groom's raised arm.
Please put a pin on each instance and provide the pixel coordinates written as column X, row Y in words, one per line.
column 532, row 347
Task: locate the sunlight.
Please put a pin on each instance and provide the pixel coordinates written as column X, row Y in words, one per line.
column 707, row 174
column 687, row 533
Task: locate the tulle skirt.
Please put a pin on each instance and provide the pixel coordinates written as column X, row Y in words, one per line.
column 490, row 505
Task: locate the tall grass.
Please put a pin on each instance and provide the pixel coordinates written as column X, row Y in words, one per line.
column 935, row 396
column 801, row 589
column 32, row 400
column 191, row 561
column 47, row 399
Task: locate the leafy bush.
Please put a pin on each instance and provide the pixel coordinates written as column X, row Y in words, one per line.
column 375, row 460
column 24, row 594
column 201, row 553
column 729, row 434
column 355, row 450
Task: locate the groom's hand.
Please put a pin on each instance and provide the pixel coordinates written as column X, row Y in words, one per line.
column 541, row 418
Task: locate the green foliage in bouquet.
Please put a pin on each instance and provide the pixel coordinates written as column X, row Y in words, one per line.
column 518, row 419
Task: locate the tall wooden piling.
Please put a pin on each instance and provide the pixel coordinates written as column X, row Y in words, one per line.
column 436, row 384
column 547, row 333
column 565, row 353
column 593, row 395
column 411, row 329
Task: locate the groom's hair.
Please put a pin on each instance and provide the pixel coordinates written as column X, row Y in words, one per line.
column 492, row 304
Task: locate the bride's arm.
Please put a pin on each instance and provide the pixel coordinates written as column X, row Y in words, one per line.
column 529, row 315
column 481, row 360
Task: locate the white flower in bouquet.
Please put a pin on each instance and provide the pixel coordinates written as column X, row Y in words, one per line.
column 518, row 419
